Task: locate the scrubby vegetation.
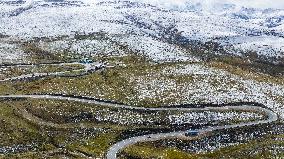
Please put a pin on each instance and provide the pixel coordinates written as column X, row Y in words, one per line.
column 265, row 141
column 57, row 129
column 43, row 126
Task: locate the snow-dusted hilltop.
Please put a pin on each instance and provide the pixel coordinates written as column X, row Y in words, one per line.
column 234, row 25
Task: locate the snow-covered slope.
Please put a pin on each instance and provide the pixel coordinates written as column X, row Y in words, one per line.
column 160, row 33
column 234, row 26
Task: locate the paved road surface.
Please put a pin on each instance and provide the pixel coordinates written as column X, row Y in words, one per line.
column 87, row 68
column 115, row 149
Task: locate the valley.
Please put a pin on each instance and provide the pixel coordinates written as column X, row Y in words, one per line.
column 138, row 80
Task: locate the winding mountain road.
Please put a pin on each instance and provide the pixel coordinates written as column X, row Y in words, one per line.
column 87, row 68
column 115, row 149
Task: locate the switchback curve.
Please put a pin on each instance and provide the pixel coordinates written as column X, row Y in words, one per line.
column 115, row 149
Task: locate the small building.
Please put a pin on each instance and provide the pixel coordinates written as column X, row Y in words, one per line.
column 86, row 61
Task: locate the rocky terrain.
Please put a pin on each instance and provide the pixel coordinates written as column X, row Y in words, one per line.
column 143, row 54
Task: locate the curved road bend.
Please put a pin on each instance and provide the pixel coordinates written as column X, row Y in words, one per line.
column 115, row 149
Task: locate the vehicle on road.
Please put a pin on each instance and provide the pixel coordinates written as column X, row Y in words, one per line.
column 86, row 61
column 192, row 133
